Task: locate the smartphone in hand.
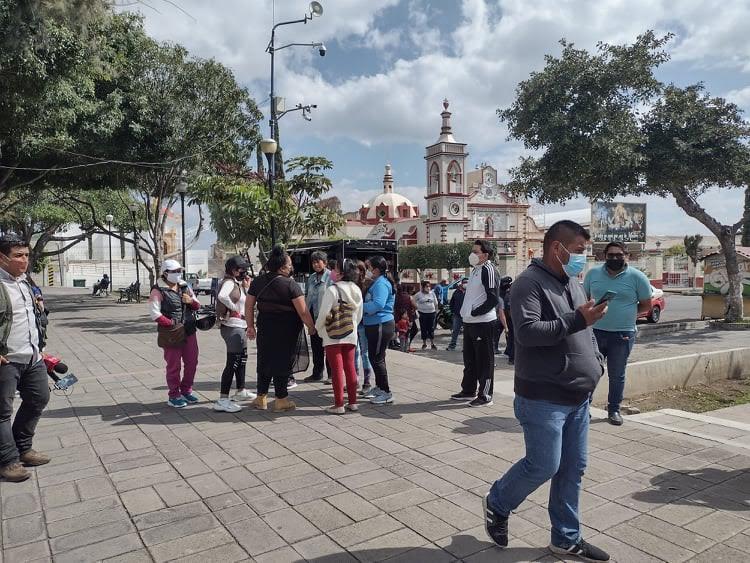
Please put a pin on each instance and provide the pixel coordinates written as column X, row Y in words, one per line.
column 606, row 297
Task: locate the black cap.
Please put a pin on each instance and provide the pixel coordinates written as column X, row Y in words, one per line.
column 236, row 263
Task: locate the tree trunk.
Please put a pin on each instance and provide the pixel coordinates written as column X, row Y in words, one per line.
column 734, row 295
column 746, row 223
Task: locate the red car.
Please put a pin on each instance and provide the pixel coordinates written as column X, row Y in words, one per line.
column 658, row 304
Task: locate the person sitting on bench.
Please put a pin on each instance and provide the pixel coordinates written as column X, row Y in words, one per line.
column 101, row 286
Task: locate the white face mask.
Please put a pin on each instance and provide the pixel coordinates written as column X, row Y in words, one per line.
column 174, row 277
column 473, row 259
column 368, row 274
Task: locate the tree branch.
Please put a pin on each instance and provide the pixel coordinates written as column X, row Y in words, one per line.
column 688, row 204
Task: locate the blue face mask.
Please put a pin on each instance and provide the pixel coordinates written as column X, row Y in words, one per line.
column 576, row 264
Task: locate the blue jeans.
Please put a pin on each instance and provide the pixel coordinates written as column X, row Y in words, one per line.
column 362, row 351
column 455, row 329
column 556, row 448
column 616, row 347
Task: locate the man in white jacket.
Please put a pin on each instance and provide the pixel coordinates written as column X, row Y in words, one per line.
column 343, row 303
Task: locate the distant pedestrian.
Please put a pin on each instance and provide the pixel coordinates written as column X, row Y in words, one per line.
column 363, row 363
column 231, row 312
column 316, row 286
column 405, row 304
column 402, row 327
column 339, row 315
column 281, row 313
column 479, row 316
column 557, row 368
column 102, row 285
column 379, row 326
column 616, row 331
column 457, row 301
column 427, row 305
column 22, row 367
column 172, row 305
column 441, row 292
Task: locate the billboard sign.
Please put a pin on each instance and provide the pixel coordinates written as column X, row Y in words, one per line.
column 715, row 278
column 618, row 221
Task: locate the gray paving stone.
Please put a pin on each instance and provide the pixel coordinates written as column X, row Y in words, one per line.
column 452, row 514
column 290, row 525
column 607, row 515
column 208, row 485
column 21, row 503
column 424, row 523
column 413, row 496
column 255, row 536
column 235, row 513
column 720, row 553
column 364, row 530
column 323, row 548
column 94, row 487
column 169, row 515
column 178, row 492
column 81, row 508
column 718, row 526
column 190, row 545
column 674, row 534
column 23, row 529
column 37, row 551
column 179, row 529
column 137, row 556
column 649, row 543
column 86, row 521
column 323, row 515
column 101, row 550
column 59, row 495
column 142, row 500
column 226, row 553
column 354, row 506
column 91, row 535
column 282, row 555
column 321, row 490
column 387, row 546
column 262, row 500
column 220, row 502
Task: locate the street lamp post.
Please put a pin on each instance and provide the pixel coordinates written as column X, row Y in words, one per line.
column 133, row 207
column 109, row 219
column 268, row 147
column 182, row 187
column 316, row 10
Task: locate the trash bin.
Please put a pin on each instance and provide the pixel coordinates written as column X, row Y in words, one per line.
column 79, row 283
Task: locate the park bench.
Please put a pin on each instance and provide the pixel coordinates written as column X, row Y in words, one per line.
column 130, row 293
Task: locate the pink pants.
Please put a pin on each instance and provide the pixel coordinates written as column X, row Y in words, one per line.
column 341, row 359
column 175, row 358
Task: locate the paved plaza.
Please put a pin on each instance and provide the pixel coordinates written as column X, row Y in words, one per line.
column 134, row 480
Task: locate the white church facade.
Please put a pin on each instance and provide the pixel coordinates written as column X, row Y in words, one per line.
column 461, row 205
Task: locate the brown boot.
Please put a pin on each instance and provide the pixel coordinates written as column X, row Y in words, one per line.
column 33, row 458
column 260, row 402
column 281, row 405
column 14, row 472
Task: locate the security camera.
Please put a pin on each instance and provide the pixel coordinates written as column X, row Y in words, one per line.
column 322, row 50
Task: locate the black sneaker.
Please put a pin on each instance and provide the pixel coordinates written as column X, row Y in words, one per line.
column 496, row 525
column 481, row 402
column 313, row 378
column 463, row 396
column 582, row 550
column 614, row 418
column 450, row 348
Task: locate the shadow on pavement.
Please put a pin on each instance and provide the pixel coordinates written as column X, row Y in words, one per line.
column 483, row 424
column 115, row 326
column 724, row 489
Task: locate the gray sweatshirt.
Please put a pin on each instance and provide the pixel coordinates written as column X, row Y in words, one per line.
column 557, row 359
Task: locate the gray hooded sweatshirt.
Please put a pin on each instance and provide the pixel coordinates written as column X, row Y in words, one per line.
column 557, row 359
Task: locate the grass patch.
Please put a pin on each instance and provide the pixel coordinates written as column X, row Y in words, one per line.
column 697, row 399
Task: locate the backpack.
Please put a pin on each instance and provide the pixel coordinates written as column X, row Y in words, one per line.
column 222, row 312
column 340, row 319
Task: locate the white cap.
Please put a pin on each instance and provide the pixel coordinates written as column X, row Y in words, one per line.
column 170, row 265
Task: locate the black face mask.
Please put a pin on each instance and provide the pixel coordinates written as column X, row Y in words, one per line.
column 615, row 264
column 241, row 276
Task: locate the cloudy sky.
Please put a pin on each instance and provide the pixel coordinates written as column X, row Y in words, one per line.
column 390, row 63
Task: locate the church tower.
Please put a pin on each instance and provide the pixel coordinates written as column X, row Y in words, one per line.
column 447, row 198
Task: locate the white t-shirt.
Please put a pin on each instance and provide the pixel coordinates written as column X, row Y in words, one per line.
column 426, row 302
column 239, row 307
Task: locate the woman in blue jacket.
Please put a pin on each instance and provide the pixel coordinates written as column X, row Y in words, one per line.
column 379, row 326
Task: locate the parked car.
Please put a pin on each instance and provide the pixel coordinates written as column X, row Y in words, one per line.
column 658, row 304
column 198, row 285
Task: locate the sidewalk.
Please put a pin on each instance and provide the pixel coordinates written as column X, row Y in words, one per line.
column 134, row 480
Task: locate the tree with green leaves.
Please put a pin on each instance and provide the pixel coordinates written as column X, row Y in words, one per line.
column 241, row 207
column 422, row 257
column 603, row 126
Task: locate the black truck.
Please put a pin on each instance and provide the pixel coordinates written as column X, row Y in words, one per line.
column 339, row 249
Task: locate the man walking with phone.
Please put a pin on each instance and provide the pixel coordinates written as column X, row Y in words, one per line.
column 627, row 291
column 557, row 368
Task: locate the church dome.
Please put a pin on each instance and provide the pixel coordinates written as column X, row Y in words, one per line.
column 388, row 206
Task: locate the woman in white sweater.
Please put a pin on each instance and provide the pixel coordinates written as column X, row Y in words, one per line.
column 339, row 316
column 427, row 306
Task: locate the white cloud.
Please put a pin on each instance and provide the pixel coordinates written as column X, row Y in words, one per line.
column 741, row 97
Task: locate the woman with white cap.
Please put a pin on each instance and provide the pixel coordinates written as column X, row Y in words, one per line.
column 172, row 305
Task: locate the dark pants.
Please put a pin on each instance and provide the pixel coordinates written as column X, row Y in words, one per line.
column 427, row 324
column 498, row 333
column 31, row 382
column 479, row 359
column 616, row 347
column 378, row 337
column 457, row 323
column 236, row 341
column 319, row 358
column 510, row 348
column 277, row 344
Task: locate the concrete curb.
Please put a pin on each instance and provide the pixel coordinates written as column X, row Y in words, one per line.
column 682, row 371
column 648, row 332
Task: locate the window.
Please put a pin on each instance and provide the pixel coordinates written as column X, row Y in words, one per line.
column 489, row 229
column 434, row 179
column 454, row 178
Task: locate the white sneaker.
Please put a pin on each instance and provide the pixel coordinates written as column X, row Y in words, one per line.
column 353, row 407
column 244, row 395
column 225, row 405
column 335, row 410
